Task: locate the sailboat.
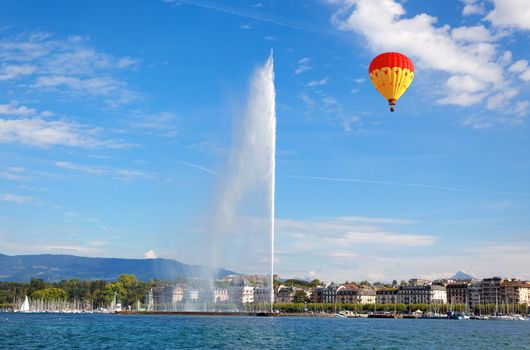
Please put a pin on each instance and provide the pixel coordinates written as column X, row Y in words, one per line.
column 25, row 305
column 116, row 305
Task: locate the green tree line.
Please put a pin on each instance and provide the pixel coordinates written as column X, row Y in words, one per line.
column 480, row 309
column 98, row 292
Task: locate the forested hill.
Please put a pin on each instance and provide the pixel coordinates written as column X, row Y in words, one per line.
column 49, row 267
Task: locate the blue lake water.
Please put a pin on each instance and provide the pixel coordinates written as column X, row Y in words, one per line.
column 96, row 331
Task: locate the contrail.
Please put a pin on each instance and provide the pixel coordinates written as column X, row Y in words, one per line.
column 404, row 184
column 249, row 15
column 199, row 167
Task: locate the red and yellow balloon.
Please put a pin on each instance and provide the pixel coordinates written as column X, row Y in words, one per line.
column 391, row 73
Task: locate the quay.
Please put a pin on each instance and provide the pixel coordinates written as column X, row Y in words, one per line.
column 197, row 313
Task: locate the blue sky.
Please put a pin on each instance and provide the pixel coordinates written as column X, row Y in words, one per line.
column 116, row 121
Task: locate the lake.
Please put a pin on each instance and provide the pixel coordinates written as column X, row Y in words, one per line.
column 100, row 331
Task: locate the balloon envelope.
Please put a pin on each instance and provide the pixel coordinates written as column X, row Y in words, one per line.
column 391, row 73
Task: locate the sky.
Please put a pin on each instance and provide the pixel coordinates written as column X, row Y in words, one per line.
column 116, row 121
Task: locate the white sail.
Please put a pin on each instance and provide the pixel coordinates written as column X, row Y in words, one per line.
column 25, row 305
column 114, row 302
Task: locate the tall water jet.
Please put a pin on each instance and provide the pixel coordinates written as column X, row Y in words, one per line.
column 242, row 232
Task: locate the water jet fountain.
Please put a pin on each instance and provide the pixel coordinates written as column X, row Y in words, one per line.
column 241, row 231
column 245, row 207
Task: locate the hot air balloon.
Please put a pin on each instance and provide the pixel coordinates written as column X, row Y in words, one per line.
column 391, row 73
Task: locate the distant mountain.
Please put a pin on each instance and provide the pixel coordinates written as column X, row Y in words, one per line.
column 49, row 267
column 462, row 275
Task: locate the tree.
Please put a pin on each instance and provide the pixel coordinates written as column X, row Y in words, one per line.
column 49, row 294
column 114, row 288
column 300, row 297
column 314, row 283
column 127, row 280
column 37, row 284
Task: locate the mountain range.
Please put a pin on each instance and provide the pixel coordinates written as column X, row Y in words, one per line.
column 51, row 267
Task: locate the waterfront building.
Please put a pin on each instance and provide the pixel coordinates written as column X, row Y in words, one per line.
column 355, row 294
column 347, row 294
column 457, row 292
column 329, row 294
column 474, row 294
column 419, row 282
column 247, row 295
column 515, row 292
column 367, row 296
column 262, row 295
column 241, row 294
column 220, row 295
column 491, row 290
column 438, row 295
column 424, row 294
column 284, row 294
column 191, row 295
column 387, row 296
column 167, row 297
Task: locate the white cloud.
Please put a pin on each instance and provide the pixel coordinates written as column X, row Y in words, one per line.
column 502, row 98
column 102, row 170
column 521, row 108
column 24, row 125
column 150, row 254
column 344, row 247
column 98, row 170
column 13, row 108
column 519, row 66
column 521, row 69
column 510, row 13
column 103, row 86
column 8, row 72
column 349, row 123
column 358, row 248
column 387, row 238
column 14, row 173
column 506, row 57
column 43, row 133
column 328, row 100
column 320, row 82
column 472, row 34
column 69, row 66
column 472, row 7
column 468, row 57
column 161, row 124
column 343, row 232
column 125, row 62
column 310, row 103
column 38, row 247
column 13, row 198
column 303, row 65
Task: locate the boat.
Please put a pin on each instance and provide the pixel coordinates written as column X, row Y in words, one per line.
column 434, row 316
column 451, row 315
column 25, row 305
column 116, row 305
